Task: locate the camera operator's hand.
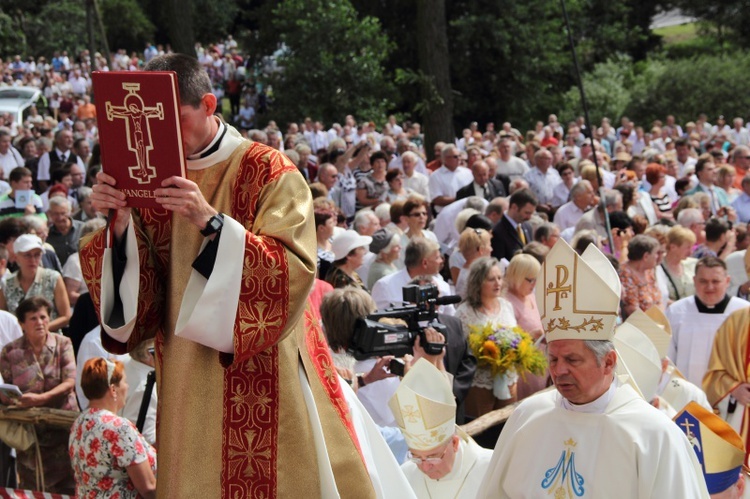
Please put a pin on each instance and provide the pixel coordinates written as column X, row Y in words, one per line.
column 432, row 336
column 378, row 371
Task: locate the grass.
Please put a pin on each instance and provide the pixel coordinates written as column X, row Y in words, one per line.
column 678, row 34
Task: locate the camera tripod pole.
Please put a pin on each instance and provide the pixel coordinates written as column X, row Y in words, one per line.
column 602, row 206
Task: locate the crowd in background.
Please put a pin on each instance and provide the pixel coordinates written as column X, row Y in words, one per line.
column 667, row 202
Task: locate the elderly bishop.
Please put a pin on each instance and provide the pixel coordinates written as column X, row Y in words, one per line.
column 444, row 461
column 592, row 436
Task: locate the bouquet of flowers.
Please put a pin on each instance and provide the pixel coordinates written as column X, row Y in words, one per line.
column 506, row 350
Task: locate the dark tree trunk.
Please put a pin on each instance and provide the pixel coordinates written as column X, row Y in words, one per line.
column 180, row 28
column 432, row 36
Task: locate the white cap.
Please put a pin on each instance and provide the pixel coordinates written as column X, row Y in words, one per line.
column 27, row 242
column 577, row 301
column 346, row 241
column 424, row 407
column 639, row 358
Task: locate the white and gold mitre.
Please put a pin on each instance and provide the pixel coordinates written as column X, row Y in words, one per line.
column 578, row 296
column 424, row 407
column 655, row 325
column 637, row 356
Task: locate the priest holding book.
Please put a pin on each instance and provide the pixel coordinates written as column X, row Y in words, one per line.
column 593, row 435
column 249, row 404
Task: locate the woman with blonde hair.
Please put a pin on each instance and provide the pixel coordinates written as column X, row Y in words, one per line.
column 725, row 177
column 520, row 281
column 679, row 277
column 473, row 244
column 107, row 451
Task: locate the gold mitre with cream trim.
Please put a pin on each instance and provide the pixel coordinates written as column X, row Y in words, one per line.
column 424, row 407
column 578, row 296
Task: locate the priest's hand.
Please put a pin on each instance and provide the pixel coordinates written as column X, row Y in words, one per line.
column 185, row 198
column 107, row 197
column 742, row 393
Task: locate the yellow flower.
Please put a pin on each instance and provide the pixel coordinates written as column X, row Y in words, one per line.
column 490, row 349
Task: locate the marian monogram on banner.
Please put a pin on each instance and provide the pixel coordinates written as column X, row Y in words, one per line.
column 136, row 115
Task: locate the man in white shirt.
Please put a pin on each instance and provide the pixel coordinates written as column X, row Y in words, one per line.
column 695, row 319
column 9, row 156
column 422, row 258
column 508, row 164
column 685, row 162
column 448, row 179
column 414, row 180
column 582, row 199
column 739, row 134
column 543, row 179
column 60, row 154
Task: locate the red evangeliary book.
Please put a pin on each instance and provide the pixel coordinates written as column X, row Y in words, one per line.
column 138, row 115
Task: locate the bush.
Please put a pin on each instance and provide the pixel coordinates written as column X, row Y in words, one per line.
column 652, row 89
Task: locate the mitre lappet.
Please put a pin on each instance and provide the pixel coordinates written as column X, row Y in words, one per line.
column 578, row 295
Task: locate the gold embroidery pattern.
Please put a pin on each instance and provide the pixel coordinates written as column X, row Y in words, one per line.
column 592, row 324
column 251, row 382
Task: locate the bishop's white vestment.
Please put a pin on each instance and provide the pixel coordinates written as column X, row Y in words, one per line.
column 628, row 450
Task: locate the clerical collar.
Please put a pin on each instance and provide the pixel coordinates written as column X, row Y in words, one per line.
column 597, row 406
column 716, row 309
column 214, row 145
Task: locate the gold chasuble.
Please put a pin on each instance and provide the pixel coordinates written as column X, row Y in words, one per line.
column 259, row 412
column 727, row 368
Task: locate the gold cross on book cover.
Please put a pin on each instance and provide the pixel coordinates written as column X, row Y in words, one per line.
column 138, row 115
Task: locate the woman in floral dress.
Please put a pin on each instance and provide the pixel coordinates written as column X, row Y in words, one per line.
column 109, row 455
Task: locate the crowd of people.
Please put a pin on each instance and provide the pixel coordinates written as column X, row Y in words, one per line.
column 665, row 204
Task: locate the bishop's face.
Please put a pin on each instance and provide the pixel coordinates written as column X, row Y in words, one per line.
column 576, row 373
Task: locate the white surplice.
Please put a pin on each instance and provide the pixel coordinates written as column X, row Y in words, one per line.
column 693, row 335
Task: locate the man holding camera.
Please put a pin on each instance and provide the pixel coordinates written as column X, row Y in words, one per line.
column 422, row 258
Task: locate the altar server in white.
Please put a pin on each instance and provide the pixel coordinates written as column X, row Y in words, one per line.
column 444, row 461
column 592, row 437
column 695, row 319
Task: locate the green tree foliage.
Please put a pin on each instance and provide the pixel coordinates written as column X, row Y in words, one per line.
column 126, row 24
column 33, row 28
column 687, row 87
column 509, row 59
column 12, row 39
column 607, row 89
column 331, row 64
column 652, row 89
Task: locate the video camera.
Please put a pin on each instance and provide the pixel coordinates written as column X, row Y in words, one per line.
column 376, row 339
